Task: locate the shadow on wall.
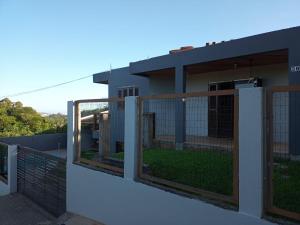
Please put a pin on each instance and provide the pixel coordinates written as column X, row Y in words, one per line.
column 43, row 142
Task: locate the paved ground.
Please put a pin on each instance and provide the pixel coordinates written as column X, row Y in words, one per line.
column 18, row 210
column 71, row 219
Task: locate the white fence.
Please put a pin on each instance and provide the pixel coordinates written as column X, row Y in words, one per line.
column 116, row 200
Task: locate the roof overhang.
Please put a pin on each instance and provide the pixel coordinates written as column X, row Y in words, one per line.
column 101, row 78
column 253, row 45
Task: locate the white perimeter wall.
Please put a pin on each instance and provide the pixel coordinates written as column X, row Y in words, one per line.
column 115, row 200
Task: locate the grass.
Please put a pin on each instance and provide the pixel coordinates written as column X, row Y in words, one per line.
column 286, row 185
column 212, row 171
column 89, row 154
column 208, row 170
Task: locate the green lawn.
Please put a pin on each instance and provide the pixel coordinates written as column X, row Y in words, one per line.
column 286, row 184
column 212, row 171
column 208, row 170
column 89, row 154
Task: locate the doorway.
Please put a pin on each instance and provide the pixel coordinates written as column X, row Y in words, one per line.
column 220, row 111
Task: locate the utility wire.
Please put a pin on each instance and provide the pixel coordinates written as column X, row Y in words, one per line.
column 44, row 88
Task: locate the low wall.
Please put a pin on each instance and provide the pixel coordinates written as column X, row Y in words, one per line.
column 43, row 142
column 115, row 200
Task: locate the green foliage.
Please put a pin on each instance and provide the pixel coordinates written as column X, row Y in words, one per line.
column 17, row 120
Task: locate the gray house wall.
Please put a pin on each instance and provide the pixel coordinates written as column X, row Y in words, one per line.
column 116, row 79
column 119, row 78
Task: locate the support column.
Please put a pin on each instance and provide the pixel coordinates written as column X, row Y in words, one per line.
column 180, row 87
column 70, row 134
column 130, row 138
column 12, row 168
column 294, row 101
column 251, row 151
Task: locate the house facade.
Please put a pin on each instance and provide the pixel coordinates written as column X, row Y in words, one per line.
column 232, row 107
column 120, row 84
column 269, row 59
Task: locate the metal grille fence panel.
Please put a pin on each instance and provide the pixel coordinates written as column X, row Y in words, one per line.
column 190, row 145
column 99, row 134
column 42, row 178
column 283, row 152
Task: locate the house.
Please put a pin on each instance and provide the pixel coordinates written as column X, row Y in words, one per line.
column 269, row 59
column 233, row 107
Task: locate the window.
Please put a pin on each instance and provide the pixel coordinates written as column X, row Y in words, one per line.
column 124, row 93
column 127, row 91
column 130, row 92
column 212, row 99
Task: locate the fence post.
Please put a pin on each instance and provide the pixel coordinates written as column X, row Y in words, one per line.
column 130, row 138
column 12, row 151
column 251, row 151
column 70, row 133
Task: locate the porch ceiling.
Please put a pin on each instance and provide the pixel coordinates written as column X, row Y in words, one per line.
column 261, row 59
column 257, row 44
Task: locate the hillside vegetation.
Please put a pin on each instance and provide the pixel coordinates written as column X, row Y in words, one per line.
column 18, row 120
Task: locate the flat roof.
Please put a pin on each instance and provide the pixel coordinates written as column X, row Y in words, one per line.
column 103, row 77
column 265, row 44
column 252, row 45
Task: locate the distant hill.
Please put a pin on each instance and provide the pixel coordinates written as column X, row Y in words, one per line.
column 17, row 120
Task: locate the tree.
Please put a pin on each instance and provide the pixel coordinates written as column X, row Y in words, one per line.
column 17, row 120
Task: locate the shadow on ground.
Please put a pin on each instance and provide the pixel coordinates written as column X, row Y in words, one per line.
column 16, row 209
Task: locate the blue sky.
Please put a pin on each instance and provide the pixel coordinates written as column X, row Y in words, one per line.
column 48, row 42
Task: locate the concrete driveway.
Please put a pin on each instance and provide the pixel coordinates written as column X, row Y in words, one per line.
column 16, row 209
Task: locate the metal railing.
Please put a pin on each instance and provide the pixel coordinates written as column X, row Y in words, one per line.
column 188, row 142
column 283, row 152
column 99, row 134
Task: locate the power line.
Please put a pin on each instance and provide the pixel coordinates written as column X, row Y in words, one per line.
column 44, row 88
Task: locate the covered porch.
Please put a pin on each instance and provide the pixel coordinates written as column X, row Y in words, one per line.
column 215, row 128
